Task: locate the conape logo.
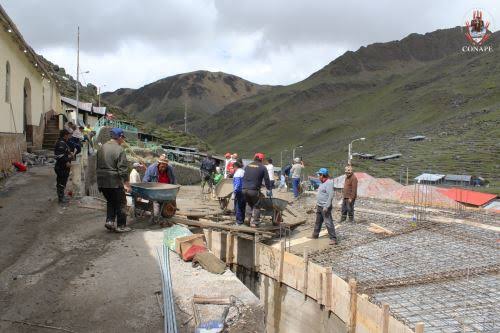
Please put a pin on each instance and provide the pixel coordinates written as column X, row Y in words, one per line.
column 477, row 32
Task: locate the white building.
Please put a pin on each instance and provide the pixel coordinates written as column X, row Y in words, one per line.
column 28, row 95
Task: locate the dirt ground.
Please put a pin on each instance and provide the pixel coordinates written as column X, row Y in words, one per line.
column 61, row 268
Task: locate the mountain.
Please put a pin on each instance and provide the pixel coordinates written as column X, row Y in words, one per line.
column 386, row 92
column 67, row 86
column 203, row 94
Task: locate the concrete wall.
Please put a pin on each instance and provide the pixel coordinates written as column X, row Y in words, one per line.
column 44, row 95
column 10, row 147
column 185, row 174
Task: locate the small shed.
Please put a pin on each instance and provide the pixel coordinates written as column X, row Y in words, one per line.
column 457, row 180
column 417, row 138
column 430, row 178
column 388, row 157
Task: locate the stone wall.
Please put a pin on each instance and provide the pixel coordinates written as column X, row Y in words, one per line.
column 11, row 147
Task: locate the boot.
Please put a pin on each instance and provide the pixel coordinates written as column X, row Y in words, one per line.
column 351, row 219
column 343, row 218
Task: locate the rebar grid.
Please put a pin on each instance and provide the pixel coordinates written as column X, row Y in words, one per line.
column 443, row 274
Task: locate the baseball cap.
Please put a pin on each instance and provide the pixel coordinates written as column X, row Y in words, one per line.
column 322, row 171
column 260, row 156
column 117, row 133
column 136, row 164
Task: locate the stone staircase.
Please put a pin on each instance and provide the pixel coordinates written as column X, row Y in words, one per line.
column 51, row 133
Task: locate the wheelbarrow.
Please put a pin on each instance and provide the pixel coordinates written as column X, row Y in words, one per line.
column 164, row 194
column 272, row 207
column 223, row 192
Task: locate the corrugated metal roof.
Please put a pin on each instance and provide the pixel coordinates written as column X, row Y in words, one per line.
column 99, row 110
column 417, row 137
column 468, row 197
column 429, row 177
column 388, row 157
column 81, row 105
column 458, row 178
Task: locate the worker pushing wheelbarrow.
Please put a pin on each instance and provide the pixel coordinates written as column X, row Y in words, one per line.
column 164, row 195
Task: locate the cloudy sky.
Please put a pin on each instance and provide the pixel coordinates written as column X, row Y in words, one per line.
column 129, row 43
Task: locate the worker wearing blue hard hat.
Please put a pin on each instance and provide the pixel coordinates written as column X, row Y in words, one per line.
column 324, row 206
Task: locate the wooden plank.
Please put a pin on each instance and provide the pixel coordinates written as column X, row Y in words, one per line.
column 379, row 229
column 396, row 326
column 385, row 318
column 419, row 328
column 328, row 287
column 368, row 317
column 208, row 235
column 293, row 271
column 340, row 298
column 314, row 281
column 229, row 248
column 351, row 325
column 214, row 225
column 269, row 261
column 256, row 252
column 217, row 244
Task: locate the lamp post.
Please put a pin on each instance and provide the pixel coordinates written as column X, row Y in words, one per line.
column 99, row 95
column 349, row 155
column 293, row 151
column 281, row 157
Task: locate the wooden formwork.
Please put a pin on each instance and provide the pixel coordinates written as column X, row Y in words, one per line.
column 314, row 281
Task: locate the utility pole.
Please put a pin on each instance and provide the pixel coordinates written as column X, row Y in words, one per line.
column 77, row 73
column 185, row 118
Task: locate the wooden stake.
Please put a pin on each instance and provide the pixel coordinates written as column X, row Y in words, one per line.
column 353, row 306
column 282, row 260
column 256, row 252
column 306, row 265
column 328, row 288
column 229, row 248
column 209, row 240
column 385, row 318
column 419, row 328
column 320, row 291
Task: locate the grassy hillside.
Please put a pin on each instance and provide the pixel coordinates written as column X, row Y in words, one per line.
column 202, row 93
column 385, row 92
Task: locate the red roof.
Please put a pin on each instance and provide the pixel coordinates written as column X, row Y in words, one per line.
column 467, row 196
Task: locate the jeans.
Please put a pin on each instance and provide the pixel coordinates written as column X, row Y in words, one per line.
column 116, row 205
column 296, row 184
column 252, row 198
column 61, row 179
column 239, row 207
column 347, row 209
column 321, row 217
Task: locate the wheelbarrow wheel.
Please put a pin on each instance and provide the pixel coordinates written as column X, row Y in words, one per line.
column 169, row 208
column 223, row 203
column 277, row 217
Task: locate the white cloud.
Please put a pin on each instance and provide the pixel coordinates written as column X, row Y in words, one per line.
column 130, row 43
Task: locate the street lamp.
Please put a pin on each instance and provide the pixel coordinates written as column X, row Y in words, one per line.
column 293, row 151
column 99, row 95
column 78, row 79
column 281, row 157
column 349, row 155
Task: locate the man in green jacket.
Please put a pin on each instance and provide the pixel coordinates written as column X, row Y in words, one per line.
column 112, row 180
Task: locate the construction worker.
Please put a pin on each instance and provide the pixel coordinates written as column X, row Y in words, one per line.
column 255, row 174
column 324, row 206
column 135, row 176
column 159, row 172
column 239, row 199
column 218, row 176
column 270, row 171
column 226, row 162
column 230, row 168
column 349, row 194
column 62, row 167
column 207, row 170
column 296, row 174
column 112, row 180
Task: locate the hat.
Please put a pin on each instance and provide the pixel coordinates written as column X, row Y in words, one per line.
column 117, row 133
column 348, row 168
column 259, row 156
column 296, row 159
column 322, row 171
column 227, row 155
column 136, row 164
column 163, row 159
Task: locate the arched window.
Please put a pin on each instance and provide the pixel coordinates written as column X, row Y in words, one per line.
column 7, row 82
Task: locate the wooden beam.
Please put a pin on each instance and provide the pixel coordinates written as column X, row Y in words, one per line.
column 419, row 328
column 214, row 225
column 209, row 239
column 229, row 248
column 306, row 264
column 328, row 288
column 385, row 318
column 282, row 260
column 256, row 252
column 353, row 295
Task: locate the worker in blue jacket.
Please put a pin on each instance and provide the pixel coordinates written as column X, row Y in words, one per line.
column 239, row 199
column 255, row 174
